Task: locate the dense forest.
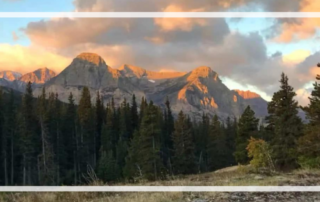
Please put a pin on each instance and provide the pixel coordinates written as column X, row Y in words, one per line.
column 47, row 142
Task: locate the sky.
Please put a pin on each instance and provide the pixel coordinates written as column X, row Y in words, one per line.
column 248, row 54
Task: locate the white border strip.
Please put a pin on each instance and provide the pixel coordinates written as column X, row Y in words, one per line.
column 160, row 189
column 160, row 14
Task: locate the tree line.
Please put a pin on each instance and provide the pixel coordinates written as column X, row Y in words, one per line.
column 47, row 142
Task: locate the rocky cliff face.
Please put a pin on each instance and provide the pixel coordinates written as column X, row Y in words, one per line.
column 40, row 76
column 256, row 102
column 10, row 75
column 18, row 82
column 196, row 92
column 200, row 91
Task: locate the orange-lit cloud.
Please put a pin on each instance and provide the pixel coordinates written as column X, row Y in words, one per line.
column 167, row 70
column 295, row 57
column 303, row 29
column 27, row 59
column 185, row 24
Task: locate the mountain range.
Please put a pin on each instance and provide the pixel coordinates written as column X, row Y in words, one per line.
column 196, row 92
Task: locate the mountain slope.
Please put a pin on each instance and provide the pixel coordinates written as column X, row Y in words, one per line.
column 133, row 71
column 39, row 76
column 10, row 75
column 200, row 91
column 89, row 69
column 256, row 102
column 196, row 92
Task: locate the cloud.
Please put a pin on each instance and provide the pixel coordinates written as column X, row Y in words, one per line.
column 295, row 57
column 304, row 28
column 27, row 59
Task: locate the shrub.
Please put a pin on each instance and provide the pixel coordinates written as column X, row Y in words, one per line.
column 259, row 152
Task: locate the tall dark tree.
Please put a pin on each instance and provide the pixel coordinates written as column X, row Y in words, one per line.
column 217, row 147
column 11, row 134
column 247, row 127
column 231, row 133
column 166, row 138
column 309, row 142
column 3, row 143
column 288, row 127
column 134, row 115
column 184, row 149
column 151, row 164
column 46, row 164
column 87, row 132
column 30, row 140
column 69, row 144
column 99, row 119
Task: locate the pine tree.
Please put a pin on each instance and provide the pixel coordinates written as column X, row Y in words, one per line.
column 247, row 127
column 309, row 154
column 143, row 106
column 217, row 147
column 202, row 143
column 132, row 167
column 11, row 134
column 46, row 159
column 283, row 111
column 166, row 138
column 109, row 136
column 3, row 143
column 69, row 143
column 134, row 116
column 230, row 131
column 87, row 132
column 99, row 119
column 151, row 164
column 184, row 149
column 30, row 141
column 108, row 169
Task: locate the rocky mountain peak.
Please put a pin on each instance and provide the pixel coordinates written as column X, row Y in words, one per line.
column 39, row 76
column 203, row 72
column 92, row 58
column 129, row 70
column 247, row 94
column 10, row 75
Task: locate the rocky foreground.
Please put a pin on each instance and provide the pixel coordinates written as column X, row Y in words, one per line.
column 233, row 176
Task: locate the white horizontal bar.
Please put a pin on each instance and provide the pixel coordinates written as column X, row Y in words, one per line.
column 160, row 14
column 160, row 189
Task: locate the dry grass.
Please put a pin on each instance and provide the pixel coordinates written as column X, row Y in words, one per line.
column 242, row 176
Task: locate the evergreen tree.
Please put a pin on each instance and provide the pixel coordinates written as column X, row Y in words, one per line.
column 283, row 111
column 134, row 116
column 99, row 119
column 3, row 143
column 247, row 127
column 202, row 143
column 309, row 154
column 150, row 161
column 46, row 162
column 133, row 164
column 69, row 144
column 87, row 134
column 184, row 149
column 108, row 169
column 12, row 139
column 30, row 141
column 217, row 147
column 230, row 131
column 166, row 138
